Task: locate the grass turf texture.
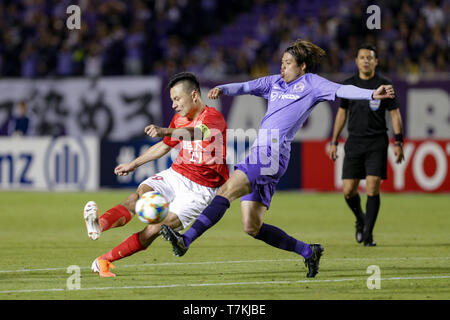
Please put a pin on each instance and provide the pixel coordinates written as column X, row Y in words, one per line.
column 41, row 234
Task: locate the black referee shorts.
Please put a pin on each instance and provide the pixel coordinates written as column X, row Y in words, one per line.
column 365, row 156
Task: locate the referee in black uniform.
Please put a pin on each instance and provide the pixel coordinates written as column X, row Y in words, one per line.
column 367, row 143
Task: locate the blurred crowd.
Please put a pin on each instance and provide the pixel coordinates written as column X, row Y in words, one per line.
column 116, row 37
column 142, row 37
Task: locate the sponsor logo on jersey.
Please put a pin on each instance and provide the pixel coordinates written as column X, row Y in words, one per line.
column 299, row 87
column 277, row 96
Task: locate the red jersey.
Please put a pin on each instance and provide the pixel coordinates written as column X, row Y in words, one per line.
column 202, row 161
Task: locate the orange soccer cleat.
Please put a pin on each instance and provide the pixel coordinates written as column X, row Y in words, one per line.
column 102, row 267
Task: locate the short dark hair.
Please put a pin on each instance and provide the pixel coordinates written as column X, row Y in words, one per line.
column 190, row 81
column 368, row 46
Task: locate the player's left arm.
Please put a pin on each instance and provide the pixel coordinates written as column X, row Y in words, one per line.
column 326, row 90
column 352, row 92
column 398, row 132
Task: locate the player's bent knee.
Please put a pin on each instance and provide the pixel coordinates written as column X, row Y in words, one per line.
column 150, row 233
column 226, row 192
column 251, row 229
column 130, row 202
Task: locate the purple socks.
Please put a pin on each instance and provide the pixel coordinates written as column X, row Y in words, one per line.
column 268, row 233
column 209, row 217
column 280, row 239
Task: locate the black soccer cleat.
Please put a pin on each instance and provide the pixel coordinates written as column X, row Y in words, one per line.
column 179, row 249
column 313, row 262
column 359, row 231
column 368, row 242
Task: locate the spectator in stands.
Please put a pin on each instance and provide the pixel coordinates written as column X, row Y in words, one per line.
column 433, row 14
column 21, row 122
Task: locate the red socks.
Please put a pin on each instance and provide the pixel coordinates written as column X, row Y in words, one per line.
column 114, row 217
column 130, row 246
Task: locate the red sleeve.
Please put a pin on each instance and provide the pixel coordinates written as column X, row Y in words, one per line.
column 168, row 140
column 215, row 120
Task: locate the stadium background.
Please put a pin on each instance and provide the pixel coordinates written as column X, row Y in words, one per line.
column 90, row 92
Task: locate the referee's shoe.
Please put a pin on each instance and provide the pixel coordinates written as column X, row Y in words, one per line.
column 368, row 240
column 359, row 235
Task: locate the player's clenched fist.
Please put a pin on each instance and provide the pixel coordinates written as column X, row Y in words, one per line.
column 214, row 93
column 384, row 92
column 124, row 168
column 154, row 131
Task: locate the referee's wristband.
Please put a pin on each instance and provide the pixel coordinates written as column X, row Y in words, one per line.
column 398, row 140
column 334, row 143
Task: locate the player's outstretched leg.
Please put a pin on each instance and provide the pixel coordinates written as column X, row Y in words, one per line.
column 91, row 218
column 209, row 217
column 312, row 263
column 178, row 246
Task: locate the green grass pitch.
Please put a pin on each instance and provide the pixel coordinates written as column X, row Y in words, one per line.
column 42, row 234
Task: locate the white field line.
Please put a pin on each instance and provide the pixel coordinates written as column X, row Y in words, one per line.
column 231, row 262
column 220, row 284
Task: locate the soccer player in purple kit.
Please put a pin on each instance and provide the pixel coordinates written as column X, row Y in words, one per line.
column 291, row 97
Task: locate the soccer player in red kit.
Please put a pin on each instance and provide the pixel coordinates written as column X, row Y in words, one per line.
column 189, row 184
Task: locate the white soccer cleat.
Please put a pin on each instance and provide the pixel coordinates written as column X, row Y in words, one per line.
column 102, row 267
column 91, row 219
column 94, row 266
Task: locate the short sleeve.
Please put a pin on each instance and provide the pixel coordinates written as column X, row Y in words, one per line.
column 168, row 140
column 390, row 104
column 325, row 90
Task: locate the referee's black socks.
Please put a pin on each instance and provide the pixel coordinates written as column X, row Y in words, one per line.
column 372, row 208
column 354, row 204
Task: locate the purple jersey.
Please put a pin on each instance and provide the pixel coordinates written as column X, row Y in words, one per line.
column 289, row 105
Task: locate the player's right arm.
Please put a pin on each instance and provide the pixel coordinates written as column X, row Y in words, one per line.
column 259, row 87
column 154, row 152
column 339, row 123
column 231, row 89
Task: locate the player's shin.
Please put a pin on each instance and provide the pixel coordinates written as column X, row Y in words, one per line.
column 209, row 217
column 115, row 217
column 128, row 247
column 279, row 239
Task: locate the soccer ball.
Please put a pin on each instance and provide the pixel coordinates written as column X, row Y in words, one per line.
column 152, row 207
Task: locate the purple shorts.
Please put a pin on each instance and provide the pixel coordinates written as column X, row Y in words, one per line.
column 263, row 173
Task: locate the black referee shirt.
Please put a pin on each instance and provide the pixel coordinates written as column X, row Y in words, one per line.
column 367, row 118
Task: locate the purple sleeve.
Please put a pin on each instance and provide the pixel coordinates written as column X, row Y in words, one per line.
column 235, row 89
column 325, row 90
column 354, row 93
column 259, row 87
